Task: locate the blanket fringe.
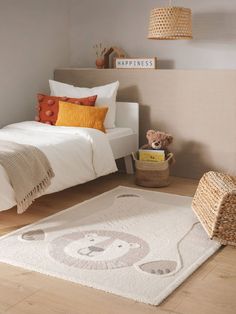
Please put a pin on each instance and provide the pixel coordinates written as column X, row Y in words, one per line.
column 39, row 189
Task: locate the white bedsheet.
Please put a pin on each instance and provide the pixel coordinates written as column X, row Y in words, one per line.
column 118, row 132
column 77, row 155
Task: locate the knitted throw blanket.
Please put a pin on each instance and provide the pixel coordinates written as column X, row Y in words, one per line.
column 28, row 169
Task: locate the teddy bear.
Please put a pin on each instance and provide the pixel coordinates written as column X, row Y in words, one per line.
column 158, row 141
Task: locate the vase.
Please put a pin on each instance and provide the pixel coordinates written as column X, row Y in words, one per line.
column 100, row 63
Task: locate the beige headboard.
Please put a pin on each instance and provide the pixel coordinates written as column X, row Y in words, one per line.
column 197, row 106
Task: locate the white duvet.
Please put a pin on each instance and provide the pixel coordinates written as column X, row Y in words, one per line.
column 77, row 155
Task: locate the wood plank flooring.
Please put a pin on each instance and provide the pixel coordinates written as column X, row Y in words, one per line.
column 210, row 290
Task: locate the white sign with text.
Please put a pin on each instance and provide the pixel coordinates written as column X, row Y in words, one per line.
column 135, row 63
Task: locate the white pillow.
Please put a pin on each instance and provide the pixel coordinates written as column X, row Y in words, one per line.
column 106, row 97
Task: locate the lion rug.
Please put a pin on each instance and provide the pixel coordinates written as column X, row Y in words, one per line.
column 134, row 243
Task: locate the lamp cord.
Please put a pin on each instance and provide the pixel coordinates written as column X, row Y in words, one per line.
column 170, row 3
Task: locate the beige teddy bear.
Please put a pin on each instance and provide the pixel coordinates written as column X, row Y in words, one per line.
column 158, row 140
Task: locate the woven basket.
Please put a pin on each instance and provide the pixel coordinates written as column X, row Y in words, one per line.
column 152, row 174
column 170, row 23
column 215, row 205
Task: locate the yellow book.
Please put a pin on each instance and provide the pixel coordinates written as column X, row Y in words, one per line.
column 151, row 155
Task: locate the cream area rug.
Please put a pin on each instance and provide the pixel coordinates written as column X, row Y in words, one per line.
column 134, row 243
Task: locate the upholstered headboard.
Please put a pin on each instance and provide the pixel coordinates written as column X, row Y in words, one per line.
column 197, row 106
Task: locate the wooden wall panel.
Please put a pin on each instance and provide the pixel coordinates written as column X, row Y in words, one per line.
column 197, row 106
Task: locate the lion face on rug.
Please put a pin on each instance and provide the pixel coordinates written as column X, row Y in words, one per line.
column 96, row 247
column 99, row 249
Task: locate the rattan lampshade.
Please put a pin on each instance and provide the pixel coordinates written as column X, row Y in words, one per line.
column 170, row 23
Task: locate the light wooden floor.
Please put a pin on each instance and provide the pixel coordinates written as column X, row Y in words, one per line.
column 210, row 290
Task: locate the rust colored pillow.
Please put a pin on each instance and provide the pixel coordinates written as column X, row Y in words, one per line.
column 48, row 106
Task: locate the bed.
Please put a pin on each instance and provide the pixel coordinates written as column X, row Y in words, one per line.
column 124, row 139
column 77, row 155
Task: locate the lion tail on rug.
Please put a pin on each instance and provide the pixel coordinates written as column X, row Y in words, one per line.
column 166, row 267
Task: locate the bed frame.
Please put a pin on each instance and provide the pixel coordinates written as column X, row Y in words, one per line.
column 127, row 116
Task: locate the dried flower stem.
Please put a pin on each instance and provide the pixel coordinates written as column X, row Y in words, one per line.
column 99, row 50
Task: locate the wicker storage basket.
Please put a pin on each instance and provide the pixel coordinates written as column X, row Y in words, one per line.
column 152, row 174
column 215, row 205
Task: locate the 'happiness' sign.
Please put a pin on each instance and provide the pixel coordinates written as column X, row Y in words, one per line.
column 135, row 63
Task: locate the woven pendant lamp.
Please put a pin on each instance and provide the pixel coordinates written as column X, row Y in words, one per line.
column 170, row 23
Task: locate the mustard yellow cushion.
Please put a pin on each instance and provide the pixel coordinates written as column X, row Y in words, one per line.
column 84, row 116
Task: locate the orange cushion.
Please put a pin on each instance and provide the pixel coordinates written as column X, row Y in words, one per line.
column 48, row 106
column 82, row 116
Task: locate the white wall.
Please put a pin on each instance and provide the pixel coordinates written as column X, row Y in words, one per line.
column 37, row 36
column 125, row 22
column 34, row 40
